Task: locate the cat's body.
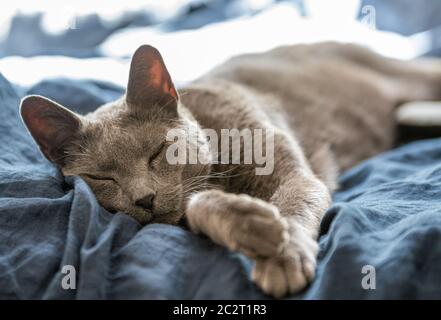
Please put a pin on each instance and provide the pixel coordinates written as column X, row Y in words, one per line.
column 340, row 95
column 329, row 105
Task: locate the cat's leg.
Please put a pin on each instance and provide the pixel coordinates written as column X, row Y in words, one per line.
column 418, row 79
column 302, row 200
column 281, row 235
column 238, row 222
column 283, row 246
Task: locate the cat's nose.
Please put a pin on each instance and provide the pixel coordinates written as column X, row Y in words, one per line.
column 146, row 201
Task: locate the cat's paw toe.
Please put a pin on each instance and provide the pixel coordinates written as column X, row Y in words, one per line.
column 290, row 272
column 259, row 230
column 280, row 276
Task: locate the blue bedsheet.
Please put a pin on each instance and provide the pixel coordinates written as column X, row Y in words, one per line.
column 387, row 215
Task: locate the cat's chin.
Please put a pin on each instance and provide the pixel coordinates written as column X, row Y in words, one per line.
column 143, row 217
column 173, row 217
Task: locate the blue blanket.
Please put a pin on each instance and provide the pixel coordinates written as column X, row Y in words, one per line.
column 386, row 216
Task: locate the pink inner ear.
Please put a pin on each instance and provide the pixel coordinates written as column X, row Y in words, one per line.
column 51, row 125
column 37, row 125
column 149, row 81
column 41, row 131
column 160, row 79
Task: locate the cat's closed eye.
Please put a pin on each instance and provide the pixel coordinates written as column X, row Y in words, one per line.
column 100, row 178
column 156, row 154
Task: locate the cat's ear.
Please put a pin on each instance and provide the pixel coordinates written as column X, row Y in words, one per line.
column 52, row 126
column 150, row 84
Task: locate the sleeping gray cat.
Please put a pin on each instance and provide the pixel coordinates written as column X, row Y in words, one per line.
column 329, row 106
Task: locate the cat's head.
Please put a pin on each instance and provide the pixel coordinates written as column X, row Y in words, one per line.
column 120, row 149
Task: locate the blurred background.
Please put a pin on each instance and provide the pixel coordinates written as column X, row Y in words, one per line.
column 95, row 39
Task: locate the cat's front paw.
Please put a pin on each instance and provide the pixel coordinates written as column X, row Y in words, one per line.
column 239, row 222
column 257, row 229
column 292, row 270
